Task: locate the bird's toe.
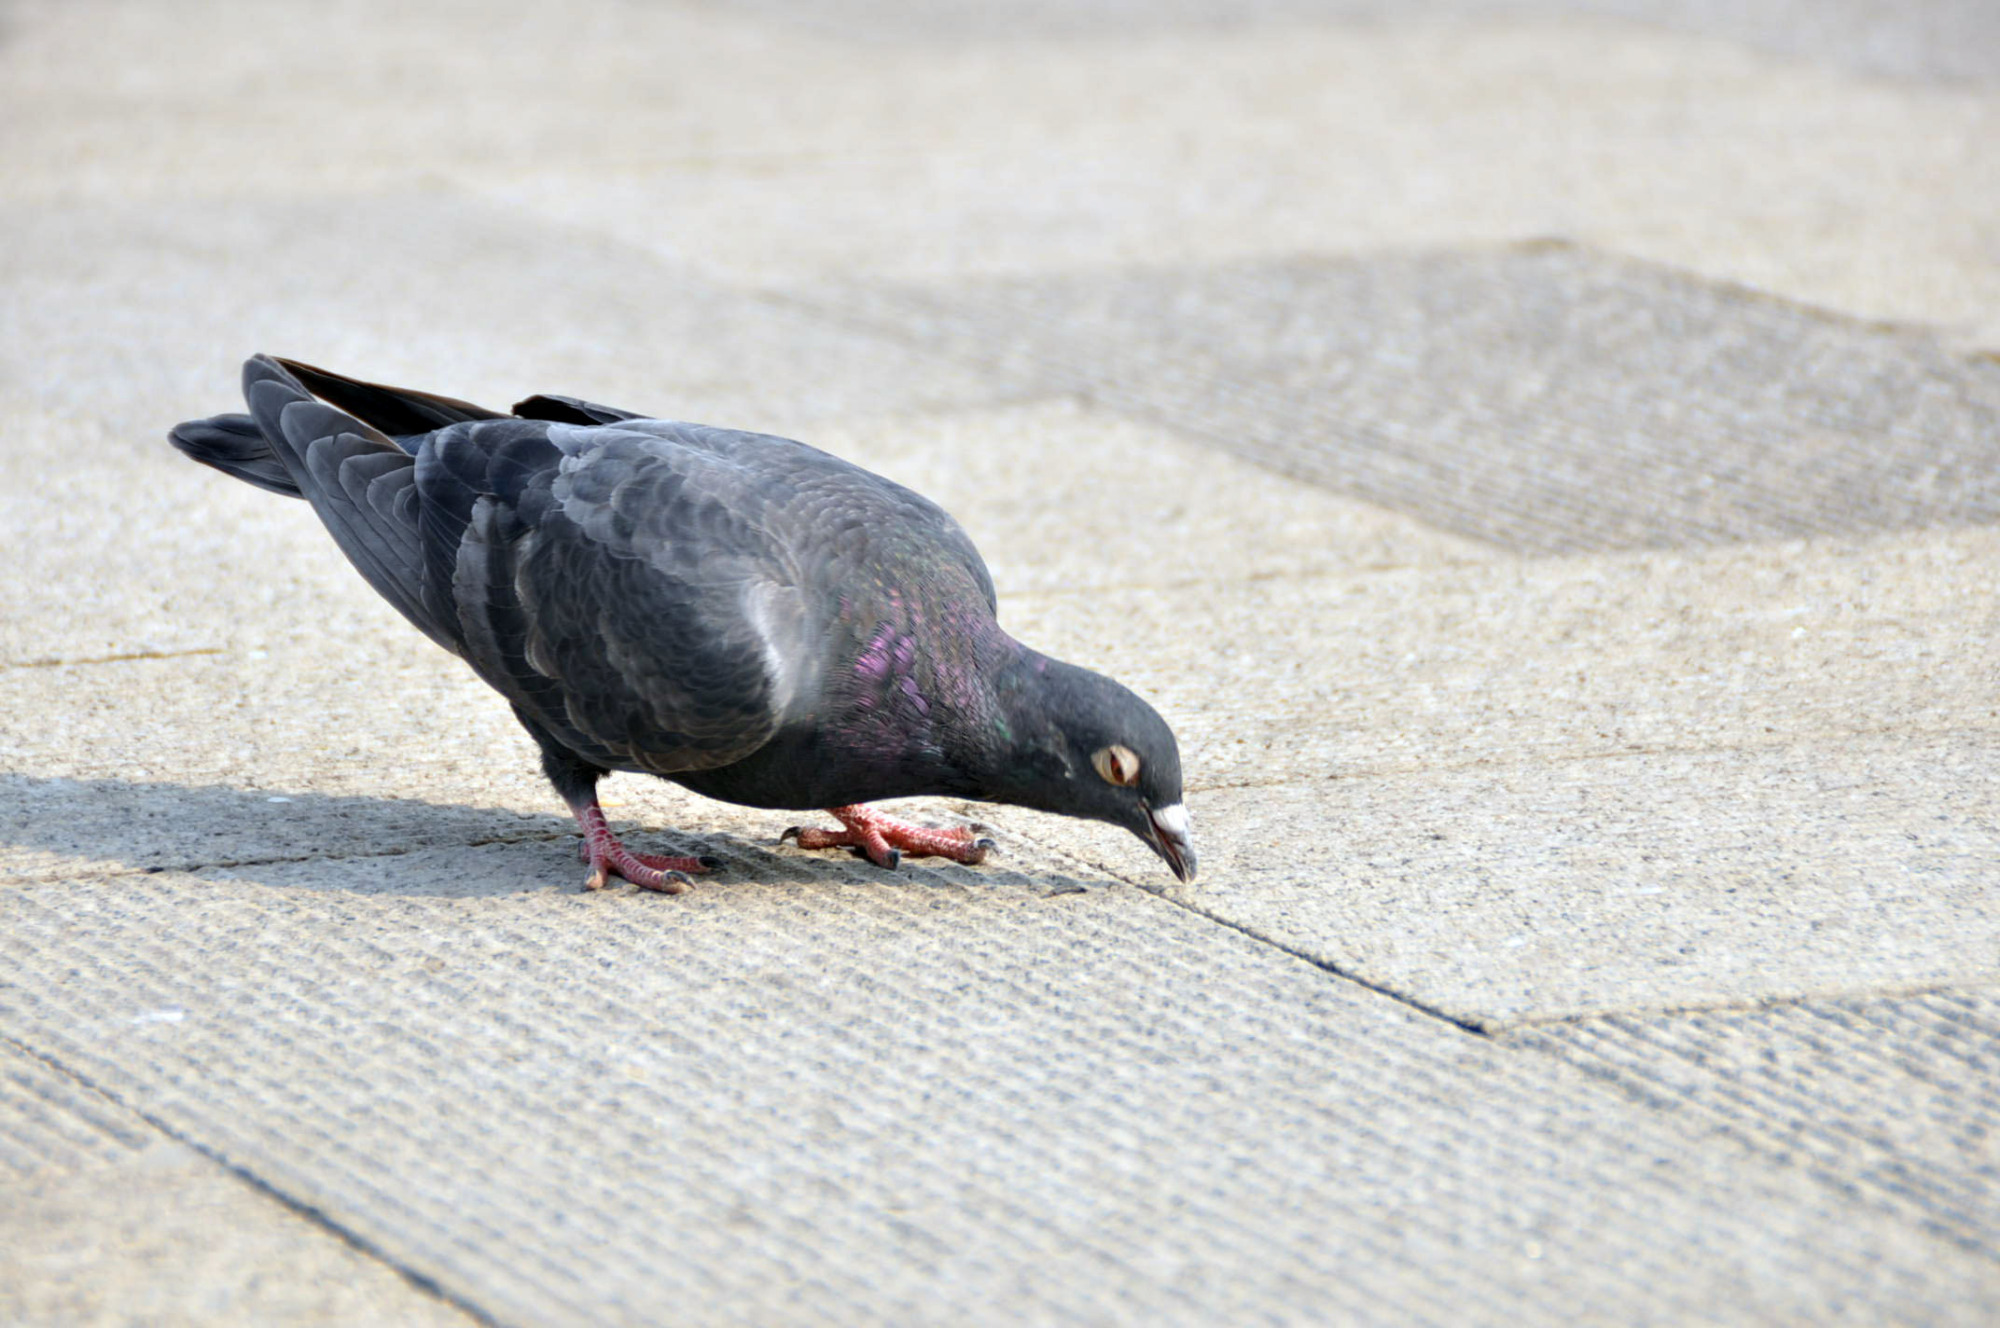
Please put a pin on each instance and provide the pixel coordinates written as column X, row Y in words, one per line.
column 666, row 882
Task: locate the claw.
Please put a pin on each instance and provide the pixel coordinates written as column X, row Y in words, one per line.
column 668, row 883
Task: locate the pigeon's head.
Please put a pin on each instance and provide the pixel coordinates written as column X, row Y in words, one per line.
column 1101, row 752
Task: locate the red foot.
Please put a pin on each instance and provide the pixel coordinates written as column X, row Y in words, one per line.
column 885, row 839
column 608, row 858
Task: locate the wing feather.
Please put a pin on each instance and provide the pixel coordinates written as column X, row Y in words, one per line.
column 360, row 483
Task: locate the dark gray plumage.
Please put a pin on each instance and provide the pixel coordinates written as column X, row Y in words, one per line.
column 745, row 615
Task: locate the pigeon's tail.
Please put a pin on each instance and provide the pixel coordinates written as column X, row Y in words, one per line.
column 234, row 445
column 237, row 445
column 360, row 482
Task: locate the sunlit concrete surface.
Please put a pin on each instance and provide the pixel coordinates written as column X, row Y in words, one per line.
column 1542, row 455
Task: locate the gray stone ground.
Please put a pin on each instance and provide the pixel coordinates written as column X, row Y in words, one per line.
column 1544, row 457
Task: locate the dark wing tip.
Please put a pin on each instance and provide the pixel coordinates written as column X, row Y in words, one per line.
column 569, row 410
column 393, row 410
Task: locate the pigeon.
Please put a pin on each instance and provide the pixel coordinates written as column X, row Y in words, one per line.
column 744, row 615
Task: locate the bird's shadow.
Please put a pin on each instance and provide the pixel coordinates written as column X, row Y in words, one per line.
column 394, row 846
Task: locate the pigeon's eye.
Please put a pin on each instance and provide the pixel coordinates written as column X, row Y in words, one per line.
column 1118, row 764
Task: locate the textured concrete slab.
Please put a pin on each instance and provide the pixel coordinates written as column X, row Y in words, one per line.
column 1544, row 398
column 105, row 1220
column 56, row 825
column 1513, row 893
column 908, row 1101
column 386, row 715
column 320, row 687
column 1890, row 1098
column 1948, row 40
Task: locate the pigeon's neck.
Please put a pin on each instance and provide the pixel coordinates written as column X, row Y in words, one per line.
column 995, row 728
column 924, row 704
column 993, row 712
column 1024, row 749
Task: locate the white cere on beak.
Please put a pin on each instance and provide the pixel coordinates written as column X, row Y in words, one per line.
column 1173, row 820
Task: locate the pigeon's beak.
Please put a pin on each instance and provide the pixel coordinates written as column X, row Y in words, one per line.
column 1170, row 839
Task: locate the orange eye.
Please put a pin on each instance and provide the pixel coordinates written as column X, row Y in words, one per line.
column 1117, row 764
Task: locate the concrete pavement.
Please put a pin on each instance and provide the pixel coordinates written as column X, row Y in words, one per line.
column 1544, row 458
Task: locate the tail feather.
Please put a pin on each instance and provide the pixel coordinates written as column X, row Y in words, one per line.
column 234, row 445
column 350, row 453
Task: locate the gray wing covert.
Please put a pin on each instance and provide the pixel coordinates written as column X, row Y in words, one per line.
column 617, row 586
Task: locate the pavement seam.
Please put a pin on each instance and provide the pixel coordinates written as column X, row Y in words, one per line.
column 1241, row 929
column 1908, row 1201
column 1502, row 1032
column 1328, row 966
column 318, row 1217
column 124, row 657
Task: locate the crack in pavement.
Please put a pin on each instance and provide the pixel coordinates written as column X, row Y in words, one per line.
column 122, row 658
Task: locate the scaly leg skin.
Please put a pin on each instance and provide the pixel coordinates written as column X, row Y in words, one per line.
column 885, row 840
column 608, row 857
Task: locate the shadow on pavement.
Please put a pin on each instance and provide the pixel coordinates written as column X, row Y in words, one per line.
column 372, row 845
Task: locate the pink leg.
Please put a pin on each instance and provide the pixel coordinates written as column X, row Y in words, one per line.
column 885, row 840
column 608, row 857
